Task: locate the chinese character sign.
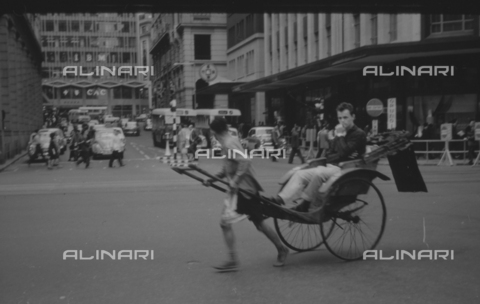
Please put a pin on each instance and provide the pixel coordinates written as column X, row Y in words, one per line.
column 392, row 113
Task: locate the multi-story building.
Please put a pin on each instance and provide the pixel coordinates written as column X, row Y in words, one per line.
column 20, row 82
column 89, row 44
column 185, row 45
column 245, row 57
column 314, row 57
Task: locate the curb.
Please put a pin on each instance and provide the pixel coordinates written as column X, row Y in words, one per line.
column 13, row 160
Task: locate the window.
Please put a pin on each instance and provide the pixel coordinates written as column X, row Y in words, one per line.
column 440, row 24
column 126, row 57
column 117, row 93
column 240, row 32
column 62, row 26
column 374, row 25
column 240, row 66
column 393, row 27
column 356, row 26
column 231, row 36
column 250, row 66
column 202, row 47
column 49, row 26
column 63, row 57
column 75, row 26
column 249, row 26
column 126, row 27
column 126, row 93
column 231, row 69
column 88, row 26
column 50, row 56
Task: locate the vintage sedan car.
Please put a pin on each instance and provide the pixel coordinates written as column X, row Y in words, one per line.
column 44, row 140
column 131, row 128
column 103, row 141
column 259, row 138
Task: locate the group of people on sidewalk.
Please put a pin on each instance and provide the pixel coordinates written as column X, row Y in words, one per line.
column 349, row 143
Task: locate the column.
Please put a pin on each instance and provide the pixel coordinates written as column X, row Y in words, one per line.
column 283, row 55
column 300, row 43
column 266, row 42
column 275, row 63
column 311, row 38
column 291, row 41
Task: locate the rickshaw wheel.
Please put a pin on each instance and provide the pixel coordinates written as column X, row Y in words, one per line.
column 358, row 216
column 297, row 236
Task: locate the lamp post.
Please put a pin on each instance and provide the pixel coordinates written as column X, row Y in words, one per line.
column 194, row 95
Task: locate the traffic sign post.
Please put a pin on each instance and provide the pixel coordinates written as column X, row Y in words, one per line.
column 446, row 135
column 392, row 113
column 374, row 107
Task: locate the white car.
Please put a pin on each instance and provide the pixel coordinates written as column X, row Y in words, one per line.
column 259, row 138
column 131, row 128
column 93, row 122
column 103, row 141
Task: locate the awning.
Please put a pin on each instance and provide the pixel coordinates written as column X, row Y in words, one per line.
column 220, row 85
column 357, row 59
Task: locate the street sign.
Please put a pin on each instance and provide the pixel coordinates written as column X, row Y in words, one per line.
column 446, row 132
column 375, row 126
column 374, row 107
column 208, row 72
column 392, row 113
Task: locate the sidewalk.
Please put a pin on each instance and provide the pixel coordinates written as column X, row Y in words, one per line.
column 12, row 160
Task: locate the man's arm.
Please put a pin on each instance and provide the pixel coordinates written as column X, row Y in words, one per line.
column 344, row 147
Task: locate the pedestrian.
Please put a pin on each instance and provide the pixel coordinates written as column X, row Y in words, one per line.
column 469, row 136
column 75, row 139
column 117, row 148
column 322, row 139
column 295, row 144
column 84, row 147
column 240, row 175
column 52, row 151
column 195, row 140
column 183, row 137
column 275, row 140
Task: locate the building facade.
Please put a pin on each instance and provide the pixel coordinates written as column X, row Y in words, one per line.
column 94, row 47
column 20, row 82
column 182, row 45
column 315, row 57
column 245, row 57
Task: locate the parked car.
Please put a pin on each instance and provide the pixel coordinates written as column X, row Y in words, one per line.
column 103, row 140
column 148, row 125
column 44, row 139
column 131, row 128
column 93, row 122
column 110, row 119
column 259, row 138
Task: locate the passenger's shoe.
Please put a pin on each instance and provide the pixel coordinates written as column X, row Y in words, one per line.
column 302, row 206
column 282, row 257
column 227, row 266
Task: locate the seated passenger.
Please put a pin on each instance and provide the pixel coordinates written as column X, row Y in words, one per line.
column 348, row 144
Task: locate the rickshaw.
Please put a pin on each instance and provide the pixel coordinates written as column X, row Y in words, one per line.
column 352, row 213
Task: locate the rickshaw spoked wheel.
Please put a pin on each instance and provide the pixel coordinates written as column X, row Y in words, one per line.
column 358, row 221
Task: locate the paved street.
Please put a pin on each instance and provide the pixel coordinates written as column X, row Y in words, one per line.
column 147, row 206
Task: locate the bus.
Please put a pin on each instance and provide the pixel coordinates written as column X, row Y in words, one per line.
column 74, row 116
column 205, row 116
column 94, row 112
column 162, row 124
